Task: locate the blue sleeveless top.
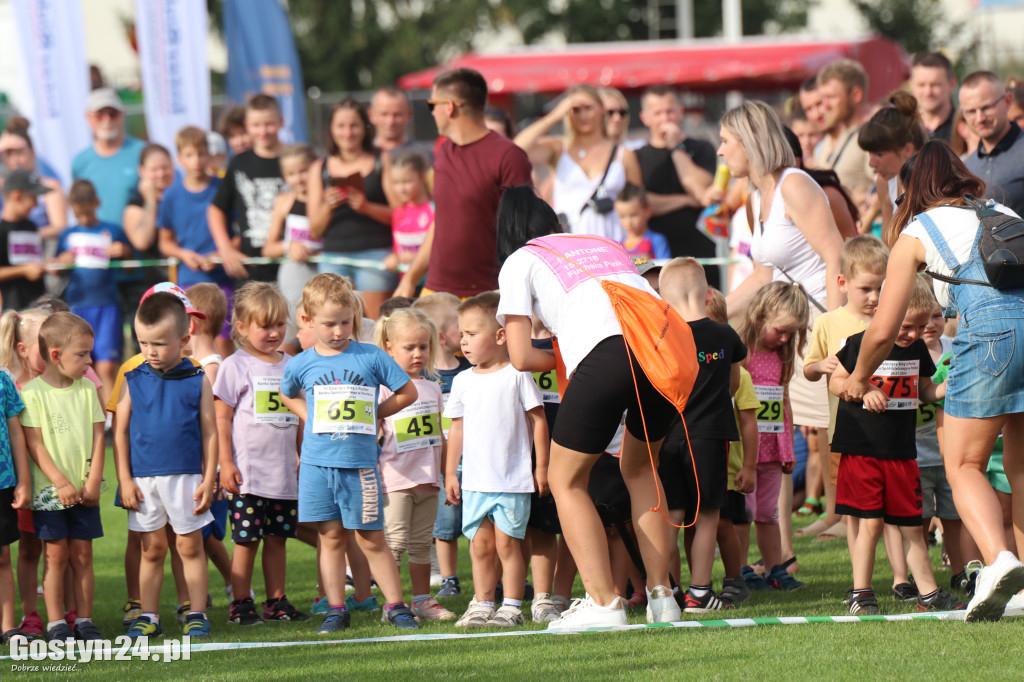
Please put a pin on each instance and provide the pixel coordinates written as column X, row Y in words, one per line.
column 164, row 431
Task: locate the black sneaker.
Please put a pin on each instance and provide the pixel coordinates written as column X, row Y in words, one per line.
column 6, row 637
column 282, row 609
column 905, row 592
column 940, row 601
column 959, row 581
column 403, row 617
column 863, row 604
column 709, row 602
column 61, row 632
column 243, row 612
column 86, row 631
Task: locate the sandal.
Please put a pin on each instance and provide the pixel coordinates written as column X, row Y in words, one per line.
column 791, row 565
column 810, row 507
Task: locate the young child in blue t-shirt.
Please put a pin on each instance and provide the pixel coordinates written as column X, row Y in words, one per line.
column 92, row 288
column 15, row 494
column 339, row 480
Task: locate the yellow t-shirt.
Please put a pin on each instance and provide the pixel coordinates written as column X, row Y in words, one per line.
column 65, row 416
column 745, row 399
column 829, row 335
column 127, row 366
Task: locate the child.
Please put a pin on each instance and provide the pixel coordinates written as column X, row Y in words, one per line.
column 232, row 128
column 733, row 521
column 634, row 212
column 413, row 451
column 21, row 248
column 211, row 301
column 63, row 425
column 774, row 327
column 15, row 494
column 495, row 410
column 258, row 452
column 251, row 185
column 167, row 481
column 704, row 445
column 879, row 481
column 183, row 230
column 443, row 311
column 288, row 234
column 92, row 287
column 414, row 216
column 339, row 480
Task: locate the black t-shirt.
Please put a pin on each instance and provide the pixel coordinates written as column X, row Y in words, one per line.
column 247, row 194
column 891, row 434
column 351, row 231
column 659, row 176
column 709, row 412
column 18, row 293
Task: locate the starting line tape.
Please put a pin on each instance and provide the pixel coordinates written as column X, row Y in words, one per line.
column 728, row 623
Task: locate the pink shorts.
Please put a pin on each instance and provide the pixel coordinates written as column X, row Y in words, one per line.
column 763, row 503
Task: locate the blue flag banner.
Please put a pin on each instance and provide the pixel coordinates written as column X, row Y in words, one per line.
column 262, row 58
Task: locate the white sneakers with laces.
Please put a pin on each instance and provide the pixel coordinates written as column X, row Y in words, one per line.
column 586, row 613
column 662, row 606
column 996, row 585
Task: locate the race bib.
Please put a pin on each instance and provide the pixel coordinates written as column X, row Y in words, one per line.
column 446, row 422
column 417, row 426
column 897, row 379
column 296, row 229
column 770, row 417
column 24, row 247
column 267, row 406
column 547, row 382
column 926, row 424
column 91, row 250
column 342, row 408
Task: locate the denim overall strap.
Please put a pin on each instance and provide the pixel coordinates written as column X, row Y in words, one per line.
column 940, row 242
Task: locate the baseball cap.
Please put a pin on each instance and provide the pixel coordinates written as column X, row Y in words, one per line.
column 103, row 98
column 215, row 143
column 644, row 264
column 26, row 181
column 172, row 288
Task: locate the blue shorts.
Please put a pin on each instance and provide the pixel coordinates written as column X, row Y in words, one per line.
column 448, row 525
column 219, row 526
column 364, row 279
column 254, row 517
column 77, row 523
column 106, row 325
column 509, row 512
column 353, row 496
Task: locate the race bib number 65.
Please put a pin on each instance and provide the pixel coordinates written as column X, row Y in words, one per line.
column 770, row 418
column 345, row 409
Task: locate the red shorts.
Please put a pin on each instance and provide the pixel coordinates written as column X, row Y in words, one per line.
column 25, row 521
column 872, row 488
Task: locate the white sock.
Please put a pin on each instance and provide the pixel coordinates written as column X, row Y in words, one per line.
column 486, row 604
column 52, row 624
column 82, row 619
column 515, row 603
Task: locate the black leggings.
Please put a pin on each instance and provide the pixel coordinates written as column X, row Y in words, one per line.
column 602, row 389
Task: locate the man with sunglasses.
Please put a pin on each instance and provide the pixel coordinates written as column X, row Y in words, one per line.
column 999, row 158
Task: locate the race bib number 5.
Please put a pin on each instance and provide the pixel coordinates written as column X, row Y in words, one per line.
column 417, row 426
column 547, row 382
column 897, row 379
column 267, row 406
column 770, row 418
column 345, row 409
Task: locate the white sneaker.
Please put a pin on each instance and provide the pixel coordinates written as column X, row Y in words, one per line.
column 996, row 584
column 585, row 613
column 476, row 616
column 431, row 610
column 1015, row 607
column 662, row 606
column 543, row 608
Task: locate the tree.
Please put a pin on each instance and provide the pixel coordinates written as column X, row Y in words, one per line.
column 917, row 25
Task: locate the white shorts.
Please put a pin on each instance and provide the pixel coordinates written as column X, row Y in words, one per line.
column 168, row 499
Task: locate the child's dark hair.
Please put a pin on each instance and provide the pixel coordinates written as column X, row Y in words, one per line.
column 59, row 330
column 233, row 119
column 150, row 149
column 394, row 303
column 486, row 303
column 207, row 298
column 633, row 192
column 522, row 216
column 82, row 193
column 162, row 305
column 263, row 102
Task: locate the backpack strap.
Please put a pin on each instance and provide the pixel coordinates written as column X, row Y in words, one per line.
column 947, row 254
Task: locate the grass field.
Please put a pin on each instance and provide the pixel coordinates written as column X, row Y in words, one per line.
column 872, row 650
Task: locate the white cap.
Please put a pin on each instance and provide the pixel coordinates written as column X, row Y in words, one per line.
column 103, row 98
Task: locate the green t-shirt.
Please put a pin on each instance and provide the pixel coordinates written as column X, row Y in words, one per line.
column 745, row 399
column 65, row 416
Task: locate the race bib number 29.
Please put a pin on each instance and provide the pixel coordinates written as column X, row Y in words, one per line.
column 342, row 408
column 770, row 418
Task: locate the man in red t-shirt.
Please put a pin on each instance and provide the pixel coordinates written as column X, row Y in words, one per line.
column 472, row 167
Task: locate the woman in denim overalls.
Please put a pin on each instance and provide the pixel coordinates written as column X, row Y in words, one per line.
column 985, row 393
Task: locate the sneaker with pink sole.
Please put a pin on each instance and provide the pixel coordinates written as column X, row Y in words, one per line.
column 431, row 610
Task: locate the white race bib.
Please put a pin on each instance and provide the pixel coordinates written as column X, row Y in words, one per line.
column 417, row 426
column 770, row 418
column 296, row 229
column 266, row 404
column 343, row 408
column 897, row 379
column 24, row 247
column 91, row 250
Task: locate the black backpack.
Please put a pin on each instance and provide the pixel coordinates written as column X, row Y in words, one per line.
column 1001, row 247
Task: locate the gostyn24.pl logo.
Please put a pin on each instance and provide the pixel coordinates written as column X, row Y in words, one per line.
column 121, row 649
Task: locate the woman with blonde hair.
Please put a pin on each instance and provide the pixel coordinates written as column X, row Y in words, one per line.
column 589, row 168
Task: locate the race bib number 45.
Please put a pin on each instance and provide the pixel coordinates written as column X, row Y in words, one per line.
column 345, row 409
column 897, row 379
column 770, row 418
column 267, row 405
column 417, row 426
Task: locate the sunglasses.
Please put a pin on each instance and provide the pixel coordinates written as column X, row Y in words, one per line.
column 899, row 200
column 431, row 103
column 617, row 112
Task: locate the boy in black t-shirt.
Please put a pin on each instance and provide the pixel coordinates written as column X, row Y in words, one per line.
column 879, row 482
column 21, row 249
column 710, row 425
